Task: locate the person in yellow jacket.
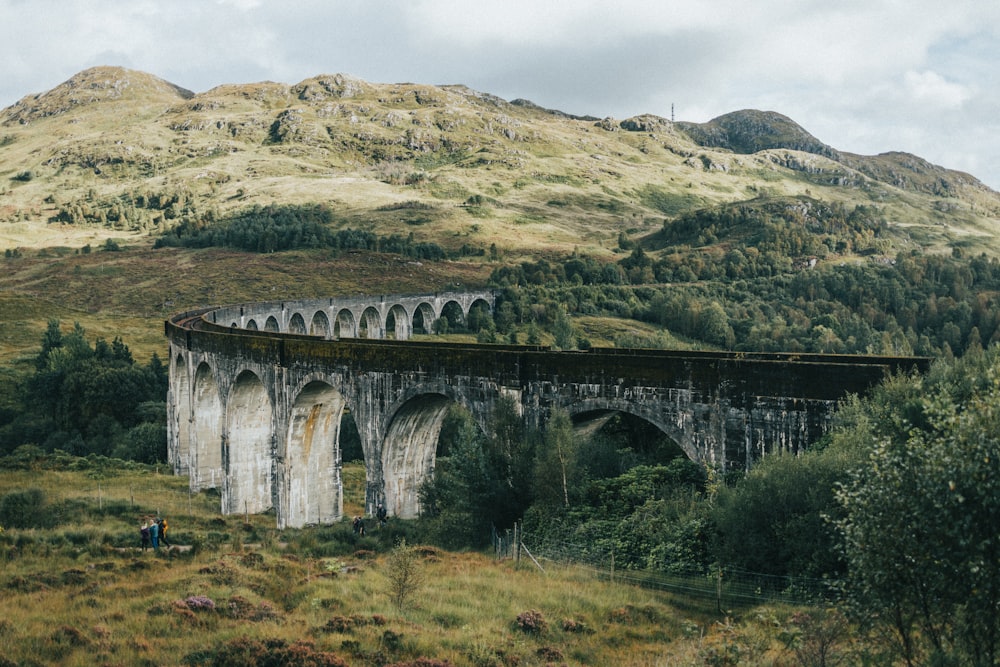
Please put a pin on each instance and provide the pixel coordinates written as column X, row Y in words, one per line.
column 163, row 532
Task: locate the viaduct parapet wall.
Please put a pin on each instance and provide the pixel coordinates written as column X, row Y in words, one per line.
column 257, row 413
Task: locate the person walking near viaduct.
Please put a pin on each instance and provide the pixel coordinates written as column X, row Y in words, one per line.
column 163, row 532
column 154, row 534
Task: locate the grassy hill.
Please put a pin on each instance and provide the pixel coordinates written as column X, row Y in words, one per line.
column 120, row 155
column 234, row 590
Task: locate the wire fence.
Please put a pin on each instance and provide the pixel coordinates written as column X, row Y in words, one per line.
column 727, row 585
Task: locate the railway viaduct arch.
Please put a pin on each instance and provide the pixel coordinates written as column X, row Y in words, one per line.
column 256, row 412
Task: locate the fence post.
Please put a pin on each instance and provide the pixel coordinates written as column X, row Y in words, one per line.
column 518, row 536
column 718, row 589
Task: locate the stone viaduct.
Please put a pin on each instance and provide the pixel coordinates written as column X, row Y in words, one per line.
column 257, row 393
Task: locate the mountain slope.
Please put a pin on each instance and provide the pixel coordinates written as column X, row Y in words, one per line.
column 118, row 152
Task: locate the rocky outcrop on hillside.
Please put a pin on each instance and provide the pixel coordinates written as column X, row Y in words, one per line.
column 750, row 131
column 94, row 86
column 108, row 133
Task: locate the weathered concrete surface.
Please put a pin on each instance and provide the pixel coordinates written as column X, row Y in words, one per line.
column 258, row 413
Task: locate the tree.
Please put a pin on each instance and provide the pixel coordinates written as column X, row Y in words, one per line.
column 562, row 330
column 483, row 481
column 403, row 573
column 774, row 521
column 555, row 460
column 920, row 521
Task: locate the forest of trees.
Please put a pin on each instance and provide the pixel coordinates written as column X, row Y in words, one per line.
column 85, row 399
column 750, row 297
column 275, row 228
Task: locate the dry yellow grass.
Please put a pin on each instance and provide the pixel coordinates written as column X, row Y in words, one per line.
column 81, row 593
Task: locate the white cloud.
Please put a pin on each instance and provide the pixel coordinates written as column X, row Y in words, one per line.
column 931, row 88
column 862, row 75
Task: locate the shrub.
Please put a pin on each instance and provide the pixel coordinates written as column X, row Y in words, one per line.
column 244, row 651
column 25, row 509
column 532, row 622
column 404, row 574
column 199, row 603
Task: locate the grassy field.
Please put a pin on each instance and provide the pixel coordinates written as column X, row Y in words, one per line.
column 234, row 590
column 130, row 293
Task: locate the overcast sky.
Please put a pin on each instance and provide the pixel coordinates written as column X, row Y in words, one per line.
column 864, row 76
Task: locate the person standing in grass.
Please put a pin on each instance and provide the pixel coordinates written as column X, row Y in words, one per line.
column 144, row 535
column 154, row 534
column 163, row 532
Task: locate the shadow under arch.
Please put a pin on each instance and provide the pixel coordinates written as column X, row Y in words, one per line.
column 344, row 325
column 249, row 463
column 410, row 448
column 590, row 419
column 423, row 318
column 320, row 325
column 311, row 492
column 370, row 325
column 297, row 324
column 397, row 323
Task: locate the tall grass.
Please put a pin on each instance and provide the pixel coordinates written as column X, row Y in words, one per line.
column 80, row 592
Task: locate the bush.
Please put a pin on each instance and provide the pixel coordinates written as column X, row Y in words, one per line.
column 404, row 574
column 25, row 509
column 531, row 622
column 246, row 652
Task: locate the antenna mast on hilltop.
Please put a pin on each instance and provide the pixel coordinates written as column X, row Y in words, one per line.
column 671, row 112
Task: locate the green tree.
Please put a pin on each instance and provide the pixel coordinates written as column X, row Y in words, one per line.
column 555, row 460
column 562, row 330
column 483, row 481
column 920, row 521
column 774, row 520
column 404, row 574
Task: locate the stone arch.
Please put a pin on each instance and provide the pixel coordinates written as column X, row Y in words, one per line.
column 272, row 324
column 312, row 492
column 397, row 323
column 206, row 432
column 595, row 410
column 409, row 450
column 344, row 325
column 423, row 318
column 370, row 325
column 249, row 466
column 320, row 325
column 479, row 311
column 252, row 325
column 297, row 324
column 454, row 315
column 180, row 453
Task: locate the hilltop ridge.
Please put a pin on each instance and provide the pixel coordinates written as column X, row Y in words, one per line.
column 96, row 85
column 479, row 168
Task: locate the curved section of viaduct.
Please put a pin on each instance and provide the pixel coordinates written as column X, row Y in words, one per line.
column 256, row 413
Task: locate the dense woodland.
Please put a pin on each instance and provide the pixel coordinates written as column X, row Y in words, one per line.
column 88, row 399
